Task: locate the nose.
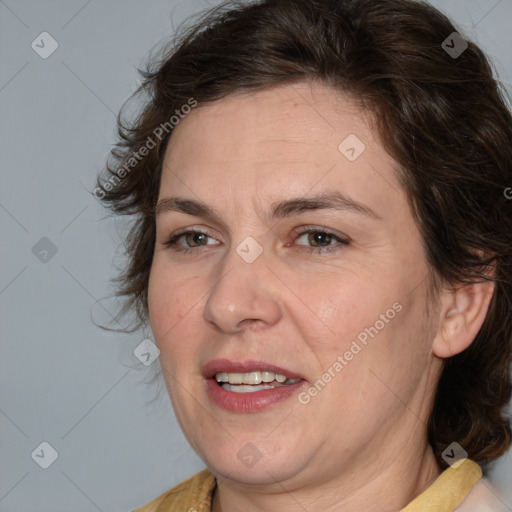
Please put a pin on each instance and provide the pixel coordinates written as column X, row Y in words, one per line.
column 244, row 296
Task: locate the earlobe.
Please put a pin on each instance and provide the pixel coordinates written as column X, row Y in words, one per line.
column 461, row 317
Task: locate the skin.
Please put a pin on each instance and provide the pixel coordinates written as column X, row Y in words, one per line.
column 360, row 443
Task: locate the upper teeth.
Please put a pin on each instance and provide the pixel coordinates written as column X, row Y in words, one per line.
column 250, row 377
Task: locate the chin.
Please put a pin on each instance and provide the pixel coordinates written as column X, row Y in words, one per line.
column 252, row 464
column 263, row 475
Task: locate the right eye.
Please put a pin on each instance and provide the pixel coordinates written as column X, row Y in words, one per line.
column 192, row 239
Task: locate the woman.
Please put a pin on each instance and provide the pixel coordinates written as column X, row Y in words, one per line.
column 323, row 249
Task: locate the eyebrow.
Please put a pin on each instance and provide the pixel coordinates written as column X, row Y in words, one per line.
column 279, row 209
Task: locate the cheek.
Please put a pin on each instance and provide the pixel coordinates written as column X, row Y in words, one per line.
column 400, row 354
column 380, row 314
column 350, row 305
column 169, row 301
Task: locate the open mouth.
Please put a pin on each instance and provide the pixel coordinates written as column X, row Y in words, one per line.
column 249, row 386
column 252, row 382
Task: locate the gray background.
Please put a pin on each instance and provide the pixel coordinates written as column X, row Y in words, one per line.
column 63, row 380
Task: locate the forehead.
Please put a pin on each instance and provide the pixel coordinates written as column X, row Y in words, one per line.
column 301, row 113
column 295, row 137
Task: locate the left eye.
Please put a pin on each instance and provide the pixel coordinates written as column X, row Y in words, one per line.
column 321, row 240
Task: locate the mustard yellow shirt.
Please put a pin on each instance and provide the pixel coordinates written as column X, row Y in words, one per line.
column 447, row 492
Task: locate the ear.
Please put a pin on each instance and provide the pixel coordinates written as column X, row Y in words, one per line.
column 462, row 314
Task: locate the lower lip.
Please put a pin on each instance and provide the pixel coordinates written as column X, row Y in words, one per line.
column 250, row 402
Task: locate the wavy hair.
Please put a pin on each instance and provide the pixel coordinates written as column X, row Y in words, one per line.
column 443, row 117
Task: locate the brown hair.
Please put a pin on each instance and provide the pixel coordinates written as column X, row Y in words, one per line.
column 443, row 117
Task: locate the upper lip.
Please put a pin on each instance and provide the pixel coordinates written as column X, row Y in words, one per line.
column 225, row 365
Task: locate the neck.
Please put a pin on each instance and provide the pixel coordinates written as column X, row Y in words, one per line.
column 383, row 487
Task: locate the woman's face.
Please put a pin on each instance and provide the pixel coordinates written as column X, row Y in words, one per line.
column 305, row 263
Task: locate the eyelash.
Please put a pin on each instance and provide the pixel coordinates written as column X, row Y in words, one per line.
column 173, row 239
